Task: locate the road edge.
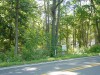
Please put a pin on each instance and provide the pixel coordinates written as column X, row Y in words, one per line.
column 26, row 65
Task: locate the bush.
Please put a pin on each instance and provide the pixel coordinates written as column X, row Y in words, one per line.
column 34, row 54
column 95, row 49
column 2, row 57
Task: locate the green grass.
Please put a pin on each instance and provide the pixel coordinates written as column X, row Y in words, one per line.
column 5, row 64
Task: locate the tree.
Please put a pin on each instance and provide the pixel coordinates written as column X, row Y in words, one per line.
column 96, row 18
column 53, row 32
column 15, row 12
column 57, row 25
column 16, row 27
column 47, row 23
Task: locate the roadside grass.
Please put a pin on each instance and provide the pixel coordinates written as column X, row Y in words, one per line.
column 48, row 59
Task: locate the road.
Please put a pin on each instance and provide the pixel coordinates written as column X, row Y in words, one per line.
column 77, row 66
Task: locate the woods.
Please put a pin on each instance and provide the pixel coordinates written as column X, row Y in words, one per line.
column 35, row 29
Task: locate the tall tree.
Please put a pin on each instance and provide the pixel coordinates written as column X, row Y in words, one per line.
column 53, row 32
column 53, row 28
column 57, row 25
column 47, row 28
column 16, row 27
column 97, row 19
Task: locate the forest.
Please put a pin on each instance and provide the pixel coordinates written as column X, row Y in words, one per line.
column 37, row 29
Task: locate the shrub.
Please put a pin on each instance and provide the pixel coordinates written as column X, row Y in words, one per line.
column 2, row 57
column 95, row 49
column 26, row 54
column 34, row 54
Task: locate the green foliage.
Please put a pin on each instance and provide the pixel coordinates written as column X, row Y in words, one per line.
column 95, row 49
column 9, row 56
column 7, row 21
column 17, row 58
column 2, row 57
column 34, row 54
column 68, row 56
column 78, row 27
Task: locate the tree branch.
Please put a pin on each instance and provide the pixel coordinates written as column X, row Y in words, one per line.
column 54, row 8
column 58, row 4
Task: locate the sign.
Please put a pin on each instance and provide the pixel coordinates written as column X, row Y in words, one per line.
column 64, row 48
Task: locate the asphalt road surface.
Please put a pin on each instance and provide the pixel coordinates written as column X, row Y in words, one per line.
column 77, row 66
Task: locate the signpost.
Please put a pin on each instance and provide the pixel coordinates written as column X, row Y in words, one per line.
column 64, row 48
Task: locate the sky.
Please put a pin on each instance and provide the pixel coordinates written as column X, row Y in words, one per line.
column 83, row 2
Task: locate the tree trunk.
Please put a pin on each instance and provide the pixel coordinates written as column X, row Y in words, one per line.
column 98, row 30
column 53, row 28
column 57, row 25
column 53, row 38
column 16, row 27
column 96, row 21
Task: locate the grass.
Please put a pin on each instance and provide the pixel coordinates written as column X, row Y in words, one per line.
column 5, row 64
